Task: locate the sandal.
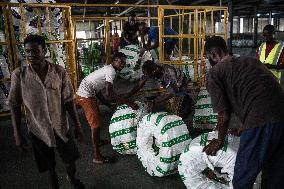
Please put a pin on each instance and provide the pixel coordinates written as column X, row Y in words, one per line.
column 104, row 160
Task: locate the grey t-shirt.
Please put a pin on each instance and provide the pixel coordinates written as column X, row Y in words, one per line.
column 245, row 86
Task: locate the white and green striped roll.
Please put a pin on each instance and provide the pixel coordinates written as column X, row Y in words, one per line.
column 123, row 128
column 132, row 70
column 204, row 117
column 193, row 162
column 161, row 138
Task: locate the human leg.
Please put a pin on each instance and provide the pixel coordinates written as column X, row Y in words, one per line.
column 45, row 160
column 69, row 154
column 257, row 151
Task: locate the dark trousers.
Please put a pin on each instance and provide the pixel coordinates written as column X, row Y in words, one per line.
column 261, row 149
column 45, row 156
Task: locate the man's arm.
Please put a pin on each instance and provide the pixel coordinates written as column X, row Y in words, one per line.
column 136, row 88
column 118, row 98
column 275, row 67
column 16, row 116
column 71, row 109
column 221, row 104
column 222, row 127
column 15, row 103
column 67, row 96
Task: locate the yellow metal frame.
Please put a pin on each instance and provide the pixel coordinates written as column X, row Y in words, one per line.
column 195, row 14
column 198, row 16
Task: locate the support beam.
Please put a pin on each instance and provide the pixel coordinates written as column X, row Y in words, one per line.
column 239, row 25
column 231, row 16
column 255, row 28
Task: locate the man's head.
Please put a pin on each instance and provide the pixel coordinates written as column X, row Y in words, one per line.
column 118, row 61
column 150, row 69
column 132, row 18
column 35, row 49
column 269, row 33
column 143, row 28
column 215, row 49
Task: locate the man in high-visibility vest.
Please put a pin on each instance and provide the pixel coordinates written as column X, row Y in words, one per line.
column 271, row 53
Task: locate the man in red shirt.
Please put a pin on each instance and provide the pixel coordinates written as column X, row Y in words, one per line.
column 271, row 52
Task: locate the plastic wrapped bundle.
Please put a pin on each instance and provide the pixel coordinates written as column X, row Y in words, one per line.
column 193, row 163
column 204, row 117
column 188, row 68
column 132, row 71
column 4, row 77
column 123, row 128
column 32, row 27
column 161, row 138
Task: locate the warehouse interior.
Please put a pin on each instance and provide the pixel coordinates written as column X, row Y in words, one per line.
column 83, row 35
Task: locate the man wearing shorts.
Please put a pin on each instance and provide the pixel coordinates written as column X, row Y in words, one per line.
column 88, row 94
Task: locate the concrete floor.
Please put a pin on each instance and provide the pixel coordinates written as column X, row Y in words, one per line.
column 18, row 170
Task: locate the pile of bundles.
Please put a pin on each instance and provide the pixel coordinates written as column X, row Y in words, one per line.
column 195, row 166
column 55, row 19
column 32, row 27
column 4, row 70
column 204, row 117
column 132, row 70
column 163, row 144
column 158, row 139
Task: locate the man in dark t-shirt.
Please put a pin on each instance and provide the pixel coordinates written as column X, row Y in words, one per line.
column 246, row 87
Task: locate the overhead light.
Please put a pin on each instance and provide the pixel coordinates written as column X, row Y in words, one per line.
column 116, row 2
column 258, row 15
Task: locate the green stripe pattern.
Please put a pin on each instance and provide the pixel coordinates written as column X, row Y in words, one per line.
column 182, row 177
column 122, row 107
column 170, row 159
column 149, row 116
column 211, row 119
column 202, row 96
column 160, row 170
column 123, row 117
column 131, row 49
column 123, row 132
column 203, row 139
column 176, row 140
column 125, row 146
column 203, row 106
column 171, row 125
column 160, row 117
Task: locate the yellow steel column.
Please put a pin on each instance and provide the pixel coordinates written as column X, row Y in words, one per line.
column 179, row 36
column 23, row 22
column 189, row 32
column 49, row 34
column 225, row 25
column 7, row 38
column 37, row 10
column 212, row 22
column 107, row 41
column 161, row 33
column 195, row 43
column 13, row 41
column 71, row 49
column 202, row 50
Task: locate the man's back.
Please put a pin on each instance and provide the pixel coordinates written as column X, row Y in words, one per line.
column 248, row 88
